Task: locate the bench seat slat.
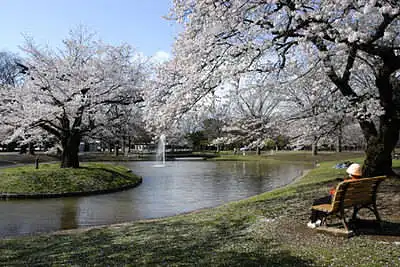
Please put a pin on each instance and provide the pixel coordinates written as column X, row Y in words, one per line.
column 323, row 207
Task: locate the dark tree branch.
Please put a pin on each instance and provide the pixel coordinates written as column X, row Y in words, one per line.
column 350, row 62
column 50, row 129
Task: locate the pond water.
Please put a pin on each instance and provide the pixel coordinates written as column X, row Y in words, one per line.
column 178, row 187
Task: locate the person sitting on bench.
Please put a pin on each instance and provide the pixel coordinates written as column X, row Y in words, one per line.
column 355, row 172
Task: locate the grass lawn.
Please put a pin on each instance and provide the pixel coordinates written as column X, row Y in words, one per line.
column 289, row 156
column 50, row 178
column 264, row 230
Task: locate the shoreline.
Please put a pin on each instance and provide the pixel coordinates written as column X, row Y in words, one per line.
column 116, row 225
column 50, row 181
column 12, row 196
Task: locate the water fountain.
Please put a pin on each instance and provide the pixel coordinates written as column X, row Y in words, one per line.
column 160, row 153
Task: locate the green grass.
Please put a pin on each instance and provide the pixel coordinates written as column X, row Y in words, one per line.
column 292, row 156
column 50, row 178
column 224, row 157
column 265, row 230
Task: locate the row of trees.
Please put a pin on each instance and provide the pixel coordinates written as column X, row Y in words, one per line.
column 245, row 115
column 92, row 91
column 334, row 61
column 253, row 69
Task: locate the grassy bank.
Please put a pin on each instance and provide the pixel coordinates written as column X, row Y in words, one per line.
column 292, row 156
column 265, row 230
column 51, row 179
column 9, row 159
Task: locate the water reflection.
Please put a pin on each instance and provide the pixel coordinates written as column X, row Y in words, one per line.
column 178, row 187
column 69, row 214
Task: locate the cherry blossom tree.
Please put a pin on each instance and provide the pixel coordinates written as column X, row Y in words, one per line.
column 312, row 108
column 69, row 92
column 11, row 70
column 254, row 101
column 11, row 75
column 125, row 125
column 353, row 138
column 174, row 113
column 224, row 39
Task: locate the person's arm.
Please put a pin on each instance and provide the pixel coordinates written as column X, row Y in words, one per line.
column 332, row 191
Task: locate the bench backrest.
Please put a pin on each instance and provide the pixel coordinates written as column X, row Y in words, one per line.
column 356, row 192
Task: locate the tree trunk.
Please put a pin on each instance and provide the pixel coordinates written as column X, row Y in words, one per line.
column 314, row 148
column 123, row 144
column 339, row 141
column 378, row 159
column 23, row 149
column 129, row 144
column 258, row 151
column 382, row 141
column 116, row 148
column 69, row 156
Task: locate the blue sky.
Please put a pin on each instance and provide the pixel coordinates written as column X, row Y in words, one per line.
column 136, row 22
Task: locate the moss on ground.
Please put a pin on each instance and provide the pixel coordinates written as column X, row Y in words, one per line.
column 265, row 230
column 50, row 178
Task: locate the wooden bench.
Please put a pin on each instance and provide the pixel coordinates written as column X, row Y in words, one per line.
column 356, row 194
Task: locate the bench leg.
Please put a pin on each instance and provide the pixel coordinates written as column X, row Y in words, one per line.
column 343, row 218
column 323, row 220
column 375, row 211
column 355, row 211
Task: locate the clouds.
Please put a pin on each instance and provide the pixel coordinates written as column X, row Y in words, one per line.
column 160, row 56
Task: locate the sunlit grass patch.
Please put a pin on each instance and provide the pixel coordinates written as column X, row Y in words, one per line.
column 50, row 178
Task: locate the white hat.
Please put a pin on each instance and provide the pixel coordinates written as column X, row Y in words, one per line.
column 354, row 169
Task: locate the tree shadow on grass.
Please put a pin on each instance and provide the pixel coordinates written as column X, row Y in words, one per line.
column 214, row 244
column 112, row 172
column 210, row 243
column 281, row 258
column 372, row 227
column 42, row 251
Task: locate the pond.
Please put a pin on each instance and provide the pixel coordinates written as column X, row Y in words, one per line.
column 178, row 187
